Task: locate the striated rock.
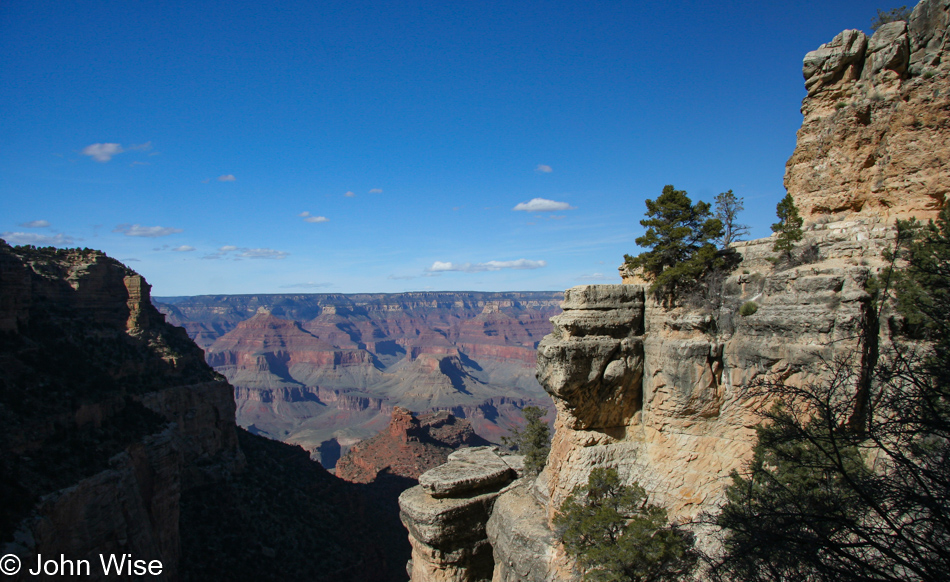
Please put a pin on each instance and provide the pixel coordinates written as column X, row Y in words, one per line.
column 525, row 548
column 447, row 531
column 876, row 128
column 408, row 447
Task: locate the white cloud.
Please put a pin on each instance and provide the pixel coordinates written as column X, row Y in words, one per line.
column 227, row 178
column 441, row 267
column 102, row 152
column 246, row 253
column 316, row 219
column 310, row 285
column 544, row 168
column 35, row 224
column 146, row 231
column 542, row 205
column 262, row 254
column 305, row 213
column 350, row 194
column 183, row 249
column 376, row 191
column 32, row 238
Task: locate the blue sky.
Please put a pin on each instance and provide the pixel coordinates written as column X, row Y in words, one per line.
column 351, row 146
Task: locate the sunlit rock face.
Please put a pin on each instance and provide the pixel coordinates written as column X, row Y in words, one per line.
column 876, row 131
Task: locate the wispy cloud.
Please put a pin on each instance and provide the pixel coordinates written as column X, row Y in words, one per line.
column 441, row 267
column 350, row 194
column 184, row 249
column 543, row 168
column 593, row 277
column 542, row 205
column 310, row 285
column 305, row 213
column 236, row 253
column 35, row 224
column 376, row 191
column 103, row 152
column 146, row 231
column 227, row 178
column 32, row 238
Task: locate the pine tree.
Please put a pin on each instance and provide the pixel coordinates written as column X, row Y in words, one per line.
column 679, row 234
column 534, row 442
column 614, row 535
column 788, row 227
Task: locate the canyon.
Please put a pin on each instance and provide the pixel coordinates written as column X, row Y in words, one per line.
column 117, row 438
column 665, row 395
column 325, row 371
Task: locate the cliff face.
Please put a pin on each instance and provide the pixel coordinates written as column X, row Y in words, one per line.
column 663, row 395
column 874, row 139
column 106, row 412
column 325, row 371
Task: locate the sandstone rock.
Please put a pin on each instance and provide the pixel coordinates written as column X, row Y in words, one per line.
column 876, row 128
column 466, row 471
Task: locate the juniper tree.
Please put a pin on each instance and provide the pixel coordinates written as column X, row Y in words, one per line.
column 679, row 235
column 614, row 535
column 828, row 499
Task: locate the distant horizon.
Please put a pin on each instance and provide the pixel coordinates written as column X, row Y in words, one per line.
column 366, row 147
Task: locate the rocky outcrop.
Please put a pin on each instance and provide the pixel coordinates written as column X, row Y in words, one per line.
column 108, row 414
column 446, row 515
column 876, row 131
column 408, row 447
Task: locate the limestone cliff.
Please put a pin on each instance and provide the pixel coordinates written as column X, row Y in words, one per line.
column 876, row 131
column 663, row 394
column 106, row 412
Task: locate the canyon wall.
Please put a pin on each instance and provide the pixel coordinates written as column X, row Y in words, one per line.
column 107, row 414
column 324, row 371
column 663, row 394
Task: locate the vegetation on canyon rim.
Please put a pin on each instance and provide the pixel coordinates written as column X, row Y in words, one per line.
column 614, row 534
column 534, row 442
column 848, row 483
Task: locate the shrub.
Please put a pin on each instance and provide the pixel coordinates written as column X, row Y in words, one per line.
column 534, row 442
column 748, row 308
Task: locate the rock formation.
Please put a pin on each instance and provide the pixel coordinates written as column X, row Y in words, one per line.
column 874, row 140
column 325, row 371
column 446, row 515
column 663, row 395
column 117, row 438
column 408, row 447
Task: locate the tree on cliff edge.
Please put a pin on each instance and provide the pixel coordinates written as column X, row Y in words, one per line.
column 616, row 536
column 534, row 442
column 788, row 227
column 828, row 499
column 679, row 235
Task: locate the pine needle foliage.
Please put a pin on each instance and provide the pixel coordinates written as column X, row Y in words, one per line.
column 680, row 237
column 534, row 442
column 788, row 227
column 616, row 536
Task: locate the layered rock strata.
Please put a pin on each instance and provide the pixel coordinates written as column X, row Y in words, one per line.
column 108, row 414
column 410, row 446
column 876, row 131
column 446, row 515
